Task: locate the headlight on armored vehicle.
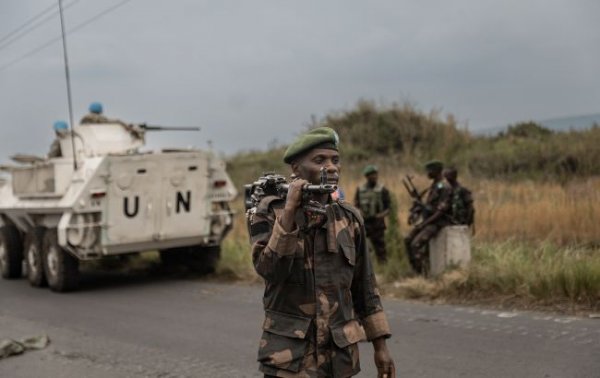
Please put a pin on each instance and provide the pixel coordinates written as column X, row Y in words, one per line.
column 219, row 184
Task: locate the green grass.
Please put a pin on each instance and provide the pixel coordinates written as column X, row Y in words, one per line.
column 236, row 260
column 516, row 273
column 509, row 272
column 397, row 265
column 545, row 273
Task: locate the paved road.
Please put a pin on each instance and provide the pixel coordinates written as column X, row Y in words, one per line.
column 142, row 326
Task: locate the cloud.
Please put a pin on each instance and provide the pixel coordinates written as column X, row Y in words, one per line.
column 249, row 72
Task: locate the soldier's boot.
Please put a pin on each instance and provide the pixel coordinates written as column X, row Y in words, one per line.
column 422, row 264
column 420, row 255
column 414, row 264
column 417, row 265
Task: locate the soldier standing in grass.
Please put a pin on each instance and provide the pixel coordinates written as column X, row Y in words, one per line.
column 373, row 201
column 320, row 294
column 435, row 213
column 461, row 200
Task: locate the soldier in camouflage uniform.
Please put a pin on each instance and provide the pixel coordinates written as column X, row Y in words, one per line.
column 373, row 201
column 461, row 200
column 435, row 215
column 320, row 294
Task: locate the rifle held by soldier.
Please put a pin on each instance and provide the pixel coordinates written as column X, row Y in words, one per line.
column 418, row 208
column 271, row 184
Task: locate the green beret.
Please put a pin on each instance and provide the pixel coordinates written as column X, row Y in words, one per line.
column 369, row 169
column 320, row 137
column 434, row 165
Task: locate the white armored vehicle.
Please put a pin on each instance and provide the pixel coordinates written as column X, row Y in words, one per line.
column 112, row 199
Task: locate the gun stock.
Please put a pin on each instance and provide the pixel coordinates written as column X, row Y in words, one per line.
column 418, row 206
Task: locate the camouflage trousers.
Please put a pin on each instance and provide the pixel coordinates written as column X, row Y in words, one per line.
column 321, row 364
column 375, row 230
column 416, row 244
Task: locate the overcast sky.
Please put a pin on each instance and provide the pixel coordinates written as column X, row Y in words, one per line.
column 250, row 72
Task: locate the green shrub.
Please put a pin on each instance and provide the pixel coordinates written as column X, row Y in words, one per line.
column 405, row 134
column 397, row 264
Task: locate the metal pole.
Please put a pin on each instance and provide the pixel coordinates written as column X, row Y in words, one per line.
column 68, row 77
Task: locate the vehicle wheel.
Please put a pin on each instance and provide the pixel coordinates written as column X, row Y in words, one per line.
column 203, row 260
column 11, row 252
column 34, row 257
column 62, row 269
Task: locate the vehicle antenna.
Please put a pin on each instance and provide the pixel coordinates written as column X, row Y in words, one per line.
column 68, row 79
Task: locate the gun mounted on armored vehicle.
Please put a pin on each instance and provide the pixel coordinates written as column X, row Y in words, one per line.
column 116, row 200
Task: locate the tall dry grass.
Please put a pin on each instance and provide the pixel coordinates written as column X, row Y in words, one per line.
column 529, row 212
column 535, row 242
column 562, row 214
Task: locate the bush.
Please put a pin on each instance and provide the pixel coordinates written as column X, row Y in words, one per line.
column 403, row 133
column 397, row 265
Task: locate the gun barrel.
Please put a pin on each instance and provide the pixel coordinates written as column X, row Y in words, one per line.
column 325, row 188
column 411, row 188
column 412, row 192
column 169, row 128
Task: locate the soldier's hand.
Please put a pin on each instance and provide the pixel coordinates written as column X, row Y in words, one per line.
column 294, row 194
column 385, row 364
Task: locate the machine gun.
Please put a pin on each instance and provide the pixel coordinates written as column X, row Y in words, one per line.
column 146, row 127
column 139, row 129
column 271, row 184
column 418, row 208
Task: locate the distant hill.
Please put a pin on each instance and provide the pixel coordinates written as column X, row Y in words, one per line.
column 575, row 123
column 580, row 122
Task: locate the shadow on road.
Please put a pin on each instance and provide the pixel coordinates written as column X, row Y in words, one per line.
column 95, row 278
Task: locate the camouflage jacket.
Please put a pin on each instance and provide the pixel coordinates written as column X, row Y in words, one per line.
column 319, row 289
column 372, row 200
column 438, row 199
column 461, row 204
